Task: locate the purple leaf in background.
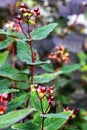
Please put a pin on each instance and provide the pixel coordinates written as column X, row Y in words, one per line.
column 72, row 7
column 4, row 3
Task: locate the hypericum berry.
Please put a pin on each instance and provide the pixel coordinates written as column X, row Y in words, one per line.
column 52, row 87
column 36, row 86
column 43, row 89
column 3, row 102
column 49, row 101
column 28, row 11
column 5, row 96
column 52, row 98
column 48, row 90
column 19, row 19
column 22, row 7
column 36, row 12
column 52, row 56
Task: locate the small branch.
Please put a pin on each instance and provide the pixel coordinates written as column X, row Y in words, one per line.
column 23, row 30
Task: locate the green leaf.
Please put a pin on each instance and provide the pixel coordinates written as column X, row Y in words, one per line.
column 62, row 82
column 4, row 44
column 5, row 83
column 3, row 57
column 43, row 32
column 64, row 100
column 64, row 115
column 17, row 102
column 56, row 121
column 70, row 68
column 29, row 125
column 10, row 118
column 47, row 67
column 23, row 51
column 22, row 85
column 44, row 78
column 37, row 119
column 24, row 54
column 85, row 118
column 13, row 34
column 8, row 90
column 8, row 72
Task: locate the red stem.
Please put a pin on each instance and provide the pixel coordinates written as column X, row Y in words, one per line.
column 13, row 65
column 30, row 43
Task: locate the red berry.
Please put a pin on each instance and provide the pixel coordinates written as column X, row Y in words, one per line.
column 52, row 98
column 36, row 12
column 43, row 89
column 5, row 96
column 36, row 86
column 28, row 11
column 49, row 101
column 18, row 17
column 48, row 90
column 22, row 5
column 52, row 87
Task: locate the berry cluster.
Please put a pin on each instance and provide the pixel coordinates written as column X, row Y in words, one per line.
column 3, row 102
column 75, row 112
column 47, row 92
column 60, row 55
column 27, row 15
column 34, row 12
